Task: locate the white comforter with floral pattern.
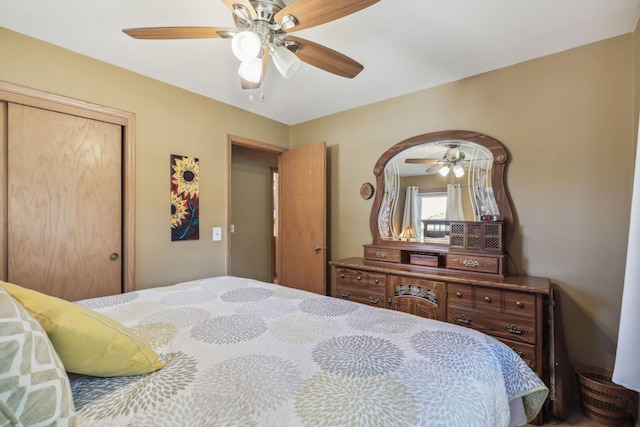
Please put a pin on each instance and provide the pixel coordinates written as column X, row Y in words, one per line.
column 248, row 353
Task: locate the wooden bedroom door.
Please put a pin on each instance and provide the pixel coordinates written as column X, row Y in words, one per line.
column 65, row 212
column 302, row 224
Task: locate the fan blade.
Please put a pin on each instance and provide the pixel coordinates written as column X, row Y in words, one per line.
column 244, row 3
column 178, row 32
column 326, row 59
column 433, row 169
column 423, row 161
column 310, row 13
column 246, row 84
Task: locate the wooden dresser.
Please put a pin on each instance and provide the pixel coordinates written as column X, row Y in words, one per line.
column 513, row 309
column 449, row 263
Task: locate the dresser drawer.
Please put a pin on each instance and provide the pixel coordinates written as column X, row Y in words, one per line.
column 520, row 303
column 382, row 254
column 468, row 262
column 515, row 328
column 488, row 299
column 460, row 295
column 361, row 286
column 526, row 351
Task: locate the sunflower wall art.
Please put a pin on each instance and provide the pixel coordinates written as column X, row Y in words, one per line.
column 185, row 186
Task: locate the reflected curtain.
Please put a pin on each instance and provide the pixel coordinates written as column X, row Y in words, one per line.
column 411, row 217
column 625, row 371
column 455, row 211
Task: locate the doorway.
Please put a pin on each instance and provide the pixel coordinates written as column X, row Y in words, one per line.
column 252, row 209
column 253, row 230
column 299, row 203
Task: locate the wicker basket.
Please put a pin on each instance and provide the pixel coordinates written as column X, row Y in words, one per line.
column 603, row 401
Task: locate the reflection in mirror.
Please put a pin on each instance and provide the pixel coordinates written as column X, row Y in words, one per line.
column 428, row 185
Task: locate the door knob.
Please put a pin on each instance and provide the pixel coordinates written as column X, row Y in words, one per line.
column 317, row 248
column 114, row 256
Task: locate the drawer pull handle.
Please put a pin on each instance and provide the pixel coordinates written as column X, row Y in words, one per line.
column 463, row 318
column 374, row 300
column 381, row 254
column 487, row 299
column 520, row 304
column 514, row 329
column 345, row 294
column 377, row 281
column 359, row 278
column 342, row 275
column 471, row 263
column 518, row 352
column 459, row 294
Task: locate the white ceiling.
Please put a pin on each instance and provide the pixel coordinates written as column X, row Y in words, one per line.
column 404, row 45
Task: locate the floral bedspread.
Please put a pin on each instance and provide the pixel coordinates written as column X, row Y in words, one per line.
column 243, row 352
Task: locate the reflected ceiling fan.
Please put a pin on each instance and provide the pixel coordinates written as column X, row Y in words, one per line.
column 263, row 28
column 452, row 160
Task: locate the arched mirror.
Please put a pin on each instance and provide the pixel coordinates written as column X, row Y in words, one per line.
column 425, row 182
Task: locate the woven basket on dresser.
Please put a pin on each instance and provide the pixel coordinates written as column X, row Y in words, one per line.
column 603, row 401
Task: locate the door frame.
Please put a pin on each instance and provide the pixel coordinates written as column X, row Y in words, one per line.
column 254, row 145
column 35, row 98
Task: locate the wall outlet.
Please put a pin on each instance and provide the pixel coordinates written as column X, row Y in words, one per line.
column 217, row 234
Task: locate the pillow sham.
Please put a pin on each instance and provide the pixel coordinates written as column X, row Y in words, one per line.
column 34, row 387
column 87, row 342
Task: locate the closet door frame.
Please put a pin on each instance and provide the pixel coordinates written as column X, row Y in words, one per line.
column 38, row 99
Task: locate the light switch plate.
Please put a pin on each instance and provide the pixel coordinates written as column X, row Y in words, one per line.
column 217, row 234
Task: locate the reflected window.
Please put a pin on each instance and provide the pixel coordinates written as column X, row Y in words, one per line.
column 433, row 208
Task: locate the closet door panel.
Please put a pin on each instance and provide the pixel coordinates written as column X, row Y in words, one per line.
column 64, row 228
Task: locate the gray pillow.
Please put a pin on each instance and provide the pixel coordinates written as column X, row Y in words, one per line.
column 34, row 386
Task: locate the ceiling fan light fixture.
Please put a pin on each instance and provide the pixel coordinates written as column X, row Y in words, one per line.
column 458, row 171
column 246, row 45
column 251, row 70
column 285, row 61
column 444, row 170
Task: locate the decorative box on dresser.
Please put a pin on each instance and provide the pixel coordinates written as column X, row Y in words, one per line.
column 455, row 270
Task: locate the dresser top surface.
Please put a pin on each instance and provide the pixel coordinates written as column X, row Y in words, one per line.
column 520, row 283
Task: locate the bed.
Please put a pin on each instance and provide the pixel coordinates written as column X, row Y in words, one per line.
column 237, row 351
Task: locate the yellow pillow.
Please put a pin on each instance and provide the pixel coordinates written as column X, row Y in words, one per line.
column 87, row 342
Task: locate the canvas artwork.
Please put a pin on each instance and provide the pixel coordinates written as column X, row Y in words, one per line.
column 185, row 185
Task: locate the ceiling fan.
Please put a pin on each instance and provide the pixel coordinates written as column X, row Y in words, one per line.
column 452, row 160
column 263, row 28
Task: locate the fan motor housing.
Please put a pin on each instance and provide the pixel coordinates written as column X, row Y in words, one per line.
column 266, row 10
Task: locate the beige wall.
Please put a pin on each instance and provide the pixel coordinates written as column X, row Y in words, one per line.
column 567, row 122
column 169, row 121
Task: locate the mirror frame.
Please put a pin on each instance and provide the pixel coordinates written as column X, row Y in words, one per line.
column 500, row 157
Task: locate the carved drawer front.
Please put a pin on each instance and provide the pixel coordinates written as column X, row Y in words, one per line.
column 425, row 298
column 495, row 324
column 382, row 254
column 468, row 262
column 361, row 286
column 526, row 351
column 520, row 303
column 460, row 295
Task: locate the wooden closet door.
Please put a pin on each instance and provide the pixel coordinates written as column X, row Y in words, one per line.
column 64, row 211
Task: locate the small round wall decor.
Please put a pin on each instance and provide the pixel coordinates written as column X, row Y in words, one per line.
column 366, row 191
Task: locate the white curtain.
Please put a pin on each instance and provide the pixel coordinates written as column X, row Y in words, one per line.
column 411, row 218
column 455, row 211
column 626, row 371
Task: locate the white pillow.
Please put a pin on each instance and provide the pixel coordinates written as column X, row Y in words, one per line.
column 34, row 387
